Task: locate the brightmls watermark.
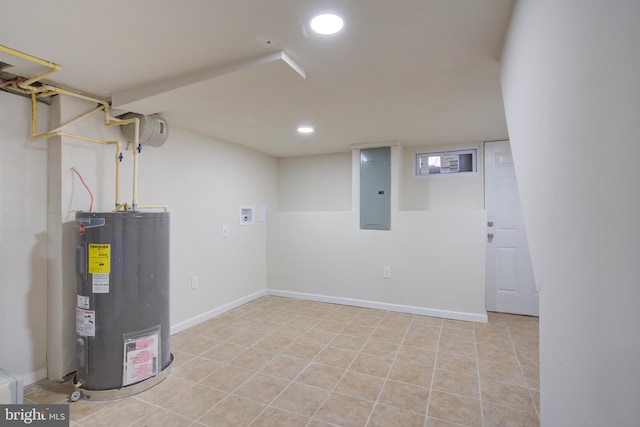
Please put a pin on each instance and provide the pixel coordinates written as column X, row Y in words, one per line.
column 34, row 415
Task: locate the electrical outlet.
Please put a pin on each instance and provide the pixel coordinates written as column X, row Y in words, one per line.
column 194, row 282
column 386, row 272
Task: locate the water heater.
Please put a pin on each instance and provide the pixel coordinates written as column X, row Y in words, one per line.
column 122, row 303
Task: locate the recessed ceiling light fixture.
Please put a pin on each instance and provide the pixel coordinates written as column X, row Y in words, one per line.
column 305, row 129
column 326, row 24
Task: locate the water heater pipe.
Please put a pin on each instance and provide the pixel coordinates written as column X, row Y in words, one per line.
column 45, row 90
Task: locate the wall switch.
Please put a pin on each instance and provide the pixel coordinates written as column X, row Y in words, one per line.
column 194, row 282
column 225, row 231
column 386, row 272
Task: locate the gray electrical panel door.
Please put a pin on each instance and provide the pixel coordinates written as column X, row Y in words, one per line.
column 375, row 188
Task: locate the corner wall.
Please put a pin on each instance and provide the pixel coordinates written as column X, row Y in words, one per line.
column 437, row 257
column 572, row 99
column 23, row 240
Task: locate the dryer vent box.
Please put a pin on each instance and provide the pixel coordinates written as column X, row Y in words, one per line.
column 154, row 130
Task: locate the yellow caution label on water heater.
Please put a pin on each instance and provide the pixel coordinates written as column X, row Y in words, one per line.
column 99, row 258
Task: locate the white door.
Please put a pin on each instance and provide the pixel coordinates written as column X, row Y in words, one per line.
column 510, row 287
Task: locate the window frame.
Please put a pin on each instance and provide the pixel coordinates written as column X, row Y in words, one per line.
column 474, row 150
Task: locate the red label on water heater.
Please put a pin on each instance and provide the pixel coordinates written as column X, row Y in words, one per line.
column 81, row 228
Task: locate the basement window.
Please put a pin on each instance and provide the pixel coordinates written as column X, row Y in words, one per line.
column 446, row 163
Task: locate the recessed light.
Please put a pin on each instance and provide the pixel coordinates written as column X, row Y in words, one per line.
column 326, row 24
column 305, row 129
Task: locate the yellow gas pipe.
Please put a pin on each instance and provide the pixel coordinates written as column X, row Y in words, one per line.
column 25, row 87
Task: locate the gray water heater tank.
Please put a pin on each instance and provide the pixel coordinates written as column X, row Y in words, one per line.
column 154, row 130
column 122, row 303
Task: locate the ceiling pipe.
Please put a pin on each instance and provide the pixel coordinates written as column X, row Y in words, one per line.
column 44, row 90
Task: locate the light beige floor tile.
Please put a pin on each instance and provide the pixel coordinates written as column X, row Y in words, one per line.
column 451, row 362
column 457, row 324
column 336, row 357
column 372, row 365
column 388, row 416
column 48, row 391
column 389, row 335
column 330, row 326
column 304, row 321
column 227, row 378
column 433, row 422
column 84, row 408
column 425, row 341
column 273, row 417
column 501, row 373
column 232, row 411
column 381, row 348
column 196, row 369
column 194, row 402
column 237, row 352
column 456, row 383
column 493, row 339
column 404, row 396
column 262, row 388
column 180, row 358
column 322, row 376
column 253, row 359
column 495, row 415
column 225, row 352
column 166, row 390
column 303, row 349
column 465, row 335
column 318, row 336
column 246, row 338
column 348, row 342
column 411, row 373
column 419, row 355
column 459, row 348
column 491, row 353
column 453, row 408
column 291, row 331
column 507, row 395
column 426, row 321
column 358, row 330
column 285, row 367
column 301, row 399
column 273, row 343
column 122, row 412
column 162, row 418
column 360, row 385
column 343, row 410
column 528, row 358
column 532, row 375
column 221, row 332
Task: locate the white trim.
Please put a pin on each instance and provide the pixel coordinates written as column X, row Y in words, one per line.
column 181, row 326
column 423, row 311
column 364, row 145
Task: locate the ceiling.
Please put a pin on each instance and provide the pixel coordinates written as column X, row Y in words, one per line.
column 419, row 72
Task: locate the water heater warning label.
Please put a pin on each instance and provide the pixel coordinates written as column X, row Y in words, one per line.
column 86, row 322
column 99, row 258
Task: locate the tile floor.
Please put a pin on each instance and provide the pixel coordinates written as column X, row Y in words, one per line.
column 283, row 362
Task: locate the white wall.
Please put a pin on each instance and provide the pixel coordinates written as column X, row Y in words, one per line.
column 203, row 181
column 315, row 183
column 437, row 257
column 445, row 192
column 572, row 98
column 23, row 240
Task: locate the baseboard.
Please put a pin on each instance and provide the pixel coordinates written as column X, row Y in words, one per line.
column 34, row 376
column 423, row 311
column 181, row 326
